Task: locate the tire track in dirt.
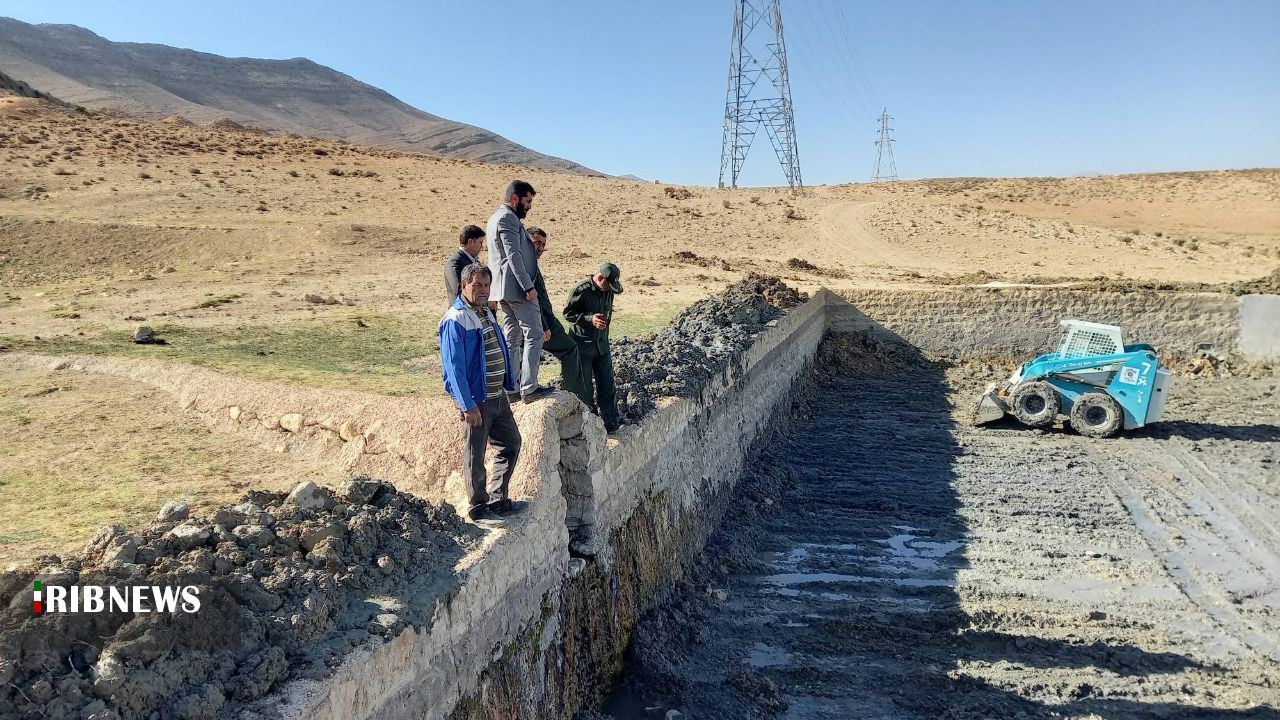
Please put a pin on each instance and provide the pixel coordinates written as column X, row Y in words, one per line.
column 919, row 569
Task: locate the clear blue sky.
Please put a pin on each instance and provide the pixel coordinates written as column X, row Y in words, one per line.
column 981, row 87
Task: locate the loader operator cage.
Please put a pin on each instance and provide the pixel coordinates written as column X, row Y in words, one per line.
column 1087, row 339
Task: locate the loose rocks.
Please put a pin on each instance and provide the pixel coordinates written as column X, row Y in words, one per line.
column 699, row 343
column 286, row 587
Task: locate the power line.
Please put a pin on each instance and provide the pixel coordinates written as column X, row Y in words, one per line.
column 842, row 53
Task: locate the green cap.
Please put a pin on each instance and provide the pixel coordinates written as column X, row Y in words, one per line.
column 611, row 274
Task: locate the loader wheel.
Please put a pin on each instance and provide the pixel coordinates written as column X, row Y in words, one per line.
column 1035, row 404
column 1096, row 415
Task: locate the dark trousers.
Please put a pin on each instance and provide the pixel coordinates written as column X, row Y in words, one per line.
column 598, row 366
column 498, row 428
column 565, row 349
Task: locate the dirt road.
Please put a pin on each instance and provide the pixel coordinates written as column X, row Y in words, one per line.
column 915, row 567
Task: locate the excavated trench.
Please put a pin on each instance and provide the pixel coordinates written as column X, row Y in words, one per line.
column 806, row 529
column 887, row 560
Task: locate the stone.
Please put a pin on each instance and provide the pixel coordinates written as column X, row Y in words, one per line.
column 308, row 497
column 349, row 431
column 292, row 422
column 316, row 534
column 124, row 550
column 574, row 454
column 271, row 422
column 189, row 536
column 234, row 412
column 385, row 623
column 255, row 535
column 570, row 425
column 108, row 674
column 228, row 517
column 173, row 511
column 360, row 490
column 144, row 335
column 254, row 514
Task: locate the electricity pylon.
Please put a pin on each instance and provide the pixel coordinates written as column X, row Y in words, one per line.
column 886, row 168
column 756, row 56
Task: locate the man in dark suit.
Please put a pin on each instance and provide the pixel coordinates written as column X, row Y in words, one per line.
column 470, row 242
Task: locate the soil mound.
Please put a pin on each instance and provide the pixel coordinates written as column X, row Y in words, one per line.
column 699, row 342
column 287, row 585
column 233, row 126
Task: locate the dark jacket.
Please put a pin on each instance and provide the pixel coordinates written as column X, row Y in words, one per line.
column 586, row 300
column 549, row 319
column 462, row 354
column 453, row 272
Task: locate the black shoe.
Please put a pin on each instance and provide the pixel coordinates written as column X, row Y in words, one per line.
column 513, row 397
column 611, row 430
column 484, row 517
column 508, row 506
column 541, row 392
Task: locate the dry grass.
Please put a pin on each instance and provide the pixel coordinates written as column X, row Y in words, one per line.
column 81, row 451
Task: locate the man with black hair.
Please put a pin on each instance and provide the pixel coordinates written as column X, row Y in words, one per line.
column 470, row 243
column 554, row 339
column 514, row 263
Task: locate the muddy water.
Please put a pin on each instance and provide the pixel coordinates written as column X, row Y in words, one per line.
column 913, row 567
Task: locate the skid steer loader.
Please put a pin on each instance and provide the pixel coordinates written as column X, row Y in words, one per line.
column 1102, row 385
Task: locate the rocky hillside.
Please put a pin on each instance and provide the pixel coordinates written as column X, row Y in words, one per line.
column 295, row 95
column 11, row 86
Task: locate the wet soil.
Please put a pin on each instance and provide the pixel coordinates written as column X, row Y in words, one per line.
column 702, row 340
column 891, row 561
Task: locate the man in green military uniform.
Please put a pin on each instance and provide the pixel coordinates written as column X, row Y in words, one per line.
column 554, row 339
column 589, row 311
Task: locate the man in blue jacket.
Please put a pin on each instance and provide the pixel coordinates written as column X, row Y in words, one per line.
column 477, row 375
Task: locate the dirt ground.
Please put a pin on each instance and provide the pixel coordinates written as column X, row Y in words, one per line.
column 893, row 561
column 78, row 451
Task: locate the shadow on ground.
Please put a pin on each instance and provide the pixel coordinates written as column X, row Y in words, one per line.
column 830, row 592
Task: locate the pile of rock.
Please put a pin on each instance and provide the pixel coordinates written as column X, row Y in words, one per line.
column 697, row 345
column 287, row 585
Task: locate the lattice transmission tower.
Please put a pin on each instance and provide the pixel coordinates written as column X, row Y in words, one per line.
column 886, row 168
column 759, row 91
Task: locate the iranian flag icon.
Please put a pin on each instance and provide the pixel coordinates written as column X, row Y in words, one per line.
column 39, row 599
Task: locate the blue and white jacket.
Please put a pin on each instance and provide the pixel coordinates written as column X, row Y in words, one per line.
column 462, row 354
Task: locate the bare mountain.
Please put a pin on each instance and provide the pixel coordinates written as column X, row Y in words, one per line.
column 294, row 95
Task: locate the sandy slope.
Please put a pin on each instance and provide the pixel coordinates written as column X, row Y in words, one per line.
column 95, row 202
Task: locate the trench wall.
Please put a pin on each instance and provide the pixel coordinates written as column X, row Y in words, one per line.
column 542, row 616
column 541, row 620
column 1024, row 321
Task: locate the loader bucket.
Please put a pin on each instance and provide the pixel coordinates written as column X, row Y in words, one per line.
column 991, row 406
